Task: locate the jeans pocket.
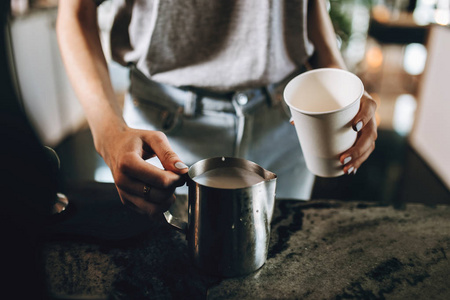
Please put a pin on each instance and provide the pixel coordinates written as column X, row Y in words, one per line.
column 206, row 135
column 142, row 114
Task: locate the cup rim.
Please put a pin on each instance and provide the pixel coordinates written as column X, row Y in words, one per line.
column 210, row 163
column 328, row 111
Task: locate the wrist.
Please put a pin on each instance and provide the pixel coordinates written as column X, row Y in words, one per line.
column 105, row 135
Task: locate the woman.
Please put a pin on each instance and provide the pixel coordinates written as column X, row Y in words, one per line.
column 206, row 78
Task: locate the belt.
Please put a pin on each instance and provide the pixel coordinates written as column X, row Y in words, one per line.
column 190, row 100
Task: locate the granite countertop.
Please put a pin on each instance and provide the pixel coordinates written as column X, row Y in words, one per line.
column 320, row 249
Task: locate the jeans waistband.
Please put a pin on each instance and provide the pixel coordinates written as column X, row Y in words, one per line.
column 190, row 101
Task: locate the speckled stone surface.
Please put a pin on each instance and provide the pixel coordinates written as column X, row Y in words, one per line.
column 320, row 249
column 338, row 250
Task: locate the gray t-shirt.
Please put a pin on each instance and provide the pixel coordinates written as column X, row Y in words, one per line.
column 218, row 45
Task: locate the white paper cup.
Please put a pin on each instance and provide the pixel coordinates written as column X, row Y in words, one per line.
column 323, row 102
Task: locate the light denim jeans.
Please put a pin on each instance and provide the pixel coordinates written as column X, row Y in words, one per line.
column 256, row 128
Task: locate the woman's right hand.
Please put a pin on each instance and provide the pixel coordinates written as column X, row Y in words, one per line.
column 141, row 185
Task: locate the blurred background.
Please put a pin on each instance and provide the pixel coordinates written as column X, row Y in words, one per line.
column 399, row 48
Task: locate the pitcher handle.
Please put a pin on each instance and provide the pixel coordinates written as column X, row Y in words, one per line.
column 175, row 222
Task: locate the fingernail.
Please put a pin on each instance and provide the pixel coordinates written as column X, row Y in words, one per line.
column 350, row 170
column 347, row 159
column 358, row 126
column 354, row 172
column 179, row 165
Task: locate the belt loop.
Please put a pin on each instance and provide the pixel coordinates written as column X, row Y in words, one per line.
column 240, row 126
column 190, row 104
column 275, row 94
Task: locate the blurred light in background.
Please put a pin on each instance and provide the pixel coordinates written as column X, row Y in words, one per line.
column 442, row 13
column 414, row 58
column 405, row 108
column 374, row 57
column 432, row 11
column 422, row 15
column 381, row 13
column 356, row 47
column 442, row 16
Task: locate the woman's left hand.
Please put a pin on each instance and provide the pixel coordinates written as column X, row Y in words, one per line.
column 365, row 124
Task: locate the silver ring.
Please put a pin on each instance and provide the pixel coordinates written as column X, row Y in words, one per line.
column 146, row 190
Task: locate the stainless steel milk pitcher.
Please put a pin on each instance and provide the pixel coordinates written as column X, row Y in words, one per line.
column 228, row 229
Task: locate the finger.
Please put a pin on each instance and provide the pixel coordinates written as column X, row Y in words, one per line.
column 155, row 195
column 366, row 112
column 365, row 141
column 356, row 164
column 140, row 205
column 138, row 188
column 132, row 165
column 160, row 145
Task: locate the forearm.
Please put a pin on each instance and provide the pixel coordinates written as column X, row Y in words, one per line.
column 321, row 34
column 87, row 69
